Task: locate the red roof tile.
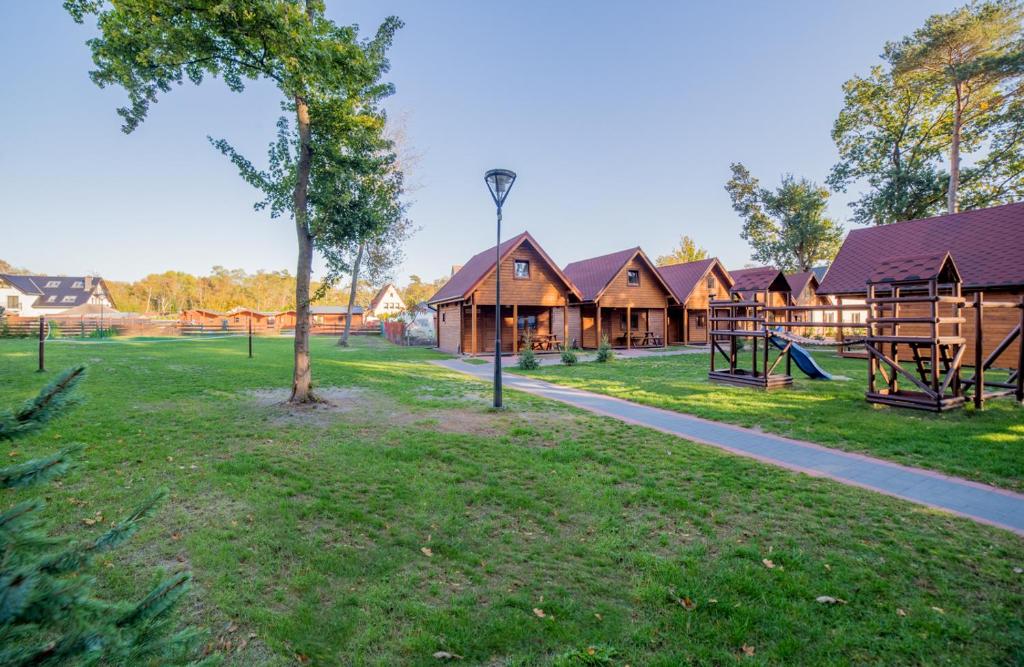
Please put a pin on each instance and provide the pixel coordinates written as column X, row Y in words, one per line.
column 758, row 279
column 683, row 278
column 987, row 246
column 798, row 281
column 911, row 269
column 481, row 264
column 591, row 276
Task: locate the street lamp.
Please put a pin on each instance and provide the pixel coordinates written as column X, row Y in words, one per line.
column 499, row 182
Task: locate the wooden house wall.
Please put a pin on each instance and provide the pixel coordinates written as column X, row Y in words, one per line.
column 650, row 293
column 543, row 288
column 697, row 331
column 701, row 294
column 449, row 327
column 575, row 325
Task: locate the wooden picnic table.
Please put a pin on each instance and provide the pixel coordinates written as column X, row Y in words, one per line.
column 540, row 341
column 646, row 339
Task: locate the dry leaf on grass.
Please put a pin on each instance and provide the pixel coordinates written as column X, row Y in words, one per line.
column 939, row 609
column 900, row 612
column 767, row 563
column 828, row 599
column 445, row 655
column 539, row 613
column 427, row 551
column 747, row 650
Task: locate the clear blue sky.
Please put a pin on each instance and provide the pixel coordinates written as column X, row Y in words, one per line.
column 620, row 118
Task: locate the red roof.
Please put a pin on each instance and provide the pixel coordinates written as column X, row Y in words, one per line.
column 592, row 276
column 759, row 279
column 480, row 266
column 913, row 269
column 798, row 281
column 987, row 246
column 683, row 278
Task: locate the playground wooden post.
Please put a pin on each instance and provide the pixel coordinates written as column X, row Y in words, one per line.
column 1020, row 355
column 250, row 337
column 979, row 356
column 42, row 344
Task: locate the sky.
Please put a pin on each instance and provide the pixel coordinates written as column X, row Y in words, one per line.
column 620, row 118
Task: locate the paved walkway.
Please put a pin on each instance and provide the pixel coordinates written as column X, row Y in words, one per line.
column 980, row 502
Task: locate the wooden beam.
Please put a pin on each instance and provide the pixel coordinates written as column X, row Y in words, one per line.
column 565, row 324
column 472, row 335
column 685, row 337
column 515, row 328
column 597, row 318
column 1020, row 355
column 629, row 324
column 664, row 322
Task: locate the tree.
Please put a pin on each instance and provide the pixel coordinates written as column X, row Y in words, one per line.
column 48, row 611
column 892, row 136
column 974, row 56
column 418, row 291
column 323, row 71
column 787, row 227
column 686, row 251
column 7, row 267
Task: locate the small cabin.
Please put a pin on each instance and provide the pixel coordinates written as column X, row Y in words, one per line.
column 623, row 297
column 201, row 317
column 987, row 246
column 694, row 284
column 763, row 284
column 535, row 296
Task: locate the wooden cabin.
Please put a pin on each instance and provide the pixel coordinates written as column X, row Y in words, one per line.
column 764, row 284
column 201, row 317
column 805, row 293
column 242, row 316
column 694, row 285
column 535, row 296
column 334, row 316
column 987, row 246
column 623, row 297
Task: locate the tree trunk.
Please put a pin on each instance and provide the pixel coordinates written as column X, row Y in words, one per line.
column 954, row 153
column 352, row 296
column 302, row 375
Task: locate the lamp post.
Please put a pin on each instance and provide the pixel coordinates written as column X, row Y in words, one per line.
column 499, row 182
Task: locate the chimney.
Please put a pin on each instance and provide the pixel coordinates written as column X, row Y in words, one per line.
column 456, row 268
column 88, row 283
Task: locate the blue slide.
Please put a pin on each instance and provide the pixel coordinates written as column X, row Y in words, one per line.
column 804, row 360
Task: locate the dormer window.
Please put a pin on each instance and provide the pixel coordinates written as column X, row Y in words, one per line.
column 711, row 282
column 633, row 278
column 521, row 269
column 51, row 299
column 78, row 284
column 52, row 284
column 68, row 299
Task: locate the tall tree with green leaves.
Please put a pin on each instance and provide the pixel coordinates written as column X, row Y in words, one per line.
column 49, row 613
column 974, row 58
column 325, row 74
column 786, row 227
column 891, row 136
column 686, row 251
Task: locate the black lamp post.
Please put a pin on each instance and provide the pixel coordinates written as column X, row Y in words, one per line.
column 499, row 182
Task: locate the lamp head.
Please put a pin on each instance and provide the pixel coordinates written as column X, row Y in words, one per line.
column 499, row 182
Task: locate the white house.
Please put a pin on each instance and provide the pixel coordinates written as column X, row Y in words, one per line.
column 388, row 302
column 32, row 296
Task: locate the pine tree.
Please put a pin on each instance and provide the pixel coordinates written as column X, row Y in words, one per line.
column 48, row 612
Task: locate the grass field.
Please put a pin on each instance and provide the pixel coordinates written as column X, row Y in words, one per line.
column 986, row 446
column 404, row 517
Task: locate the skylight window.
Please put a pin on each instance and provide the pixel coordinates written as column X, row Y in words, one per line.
column 78, row 284
column 51, row 299
column 68, row 299
column 52, row 284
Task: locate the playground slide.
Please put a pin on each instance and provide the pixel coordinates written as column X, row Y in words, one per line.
column 803, row 360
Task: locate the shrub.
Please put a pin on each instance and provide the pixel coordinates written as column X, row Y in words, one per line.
column 569, row 357
column 604, row 350
column 592, row 656
column 527, row 358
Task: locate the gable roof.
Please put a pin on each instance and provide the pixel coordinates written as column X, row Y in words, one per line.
column 684, row 278
column 480, row 265
column 759, row 279
column 798, row 281
column 987, row 245
column 914, row 269
column 57, row 291
column 592, row 276
column 382, row 293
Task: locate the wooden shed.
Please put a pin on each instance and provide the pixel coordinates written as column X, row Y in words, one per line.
column 987, row 246
column 535, row 295
column 694, row 285
column 623, row 297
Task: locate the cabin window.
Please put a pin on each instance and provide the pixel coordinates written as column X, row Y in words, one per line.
column 52, row 284
column 855, row 318
column 711, row 282
column 78, row 284
column 634, row 321
column 13, row 302
column 444, row 316
column 701, row 320
column 528, row 323
column 633, row 278
column 68, row 299
column 521, row 269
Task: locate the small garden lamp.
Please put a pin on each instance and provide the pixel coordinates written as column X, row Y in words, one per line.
column 499, row 182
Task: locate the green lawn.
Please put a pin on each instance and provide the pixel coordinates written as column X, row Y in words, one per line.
column 406, row 518
column 987, row 446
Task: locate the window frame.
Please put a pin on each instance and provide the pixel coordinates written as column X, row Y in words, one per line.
column 711, row 283
column 516, row 263
column 630, row 273
column 69, row 299
column 52, row 284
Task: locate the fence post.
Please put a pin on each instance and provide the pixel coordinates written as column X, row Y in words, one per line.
column 1020, row 355
column 979, row 352
column 250, row 338
column 42, row 344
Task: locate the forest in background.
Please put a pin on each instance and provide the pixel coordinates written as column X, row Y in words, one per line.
column 222, row 289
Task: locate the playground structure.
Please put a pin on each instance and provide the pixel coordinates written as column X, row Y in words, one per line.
column 914, row 339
